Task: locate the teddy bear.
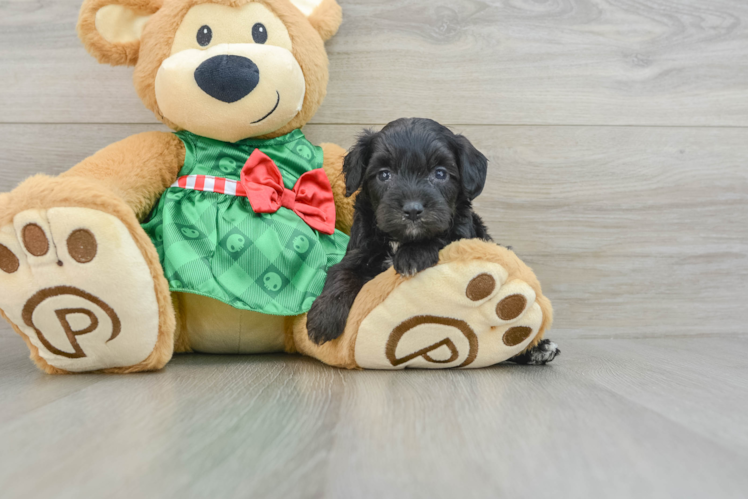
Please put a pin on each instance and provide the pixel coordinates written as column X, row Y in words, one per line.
column 217, row 238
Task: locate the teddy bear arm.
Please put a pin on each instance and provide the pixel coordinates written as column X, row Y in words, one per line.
column 333, row 165
column 137, row 169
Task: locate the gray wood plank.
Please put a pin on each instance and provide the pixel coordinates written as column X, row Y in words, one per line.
column 53, row 149
column 632, row 231
column 467, row 62
column 678, row 380
column 545, row 433
column 639, row 235
column 20, row 396
column 289, row 427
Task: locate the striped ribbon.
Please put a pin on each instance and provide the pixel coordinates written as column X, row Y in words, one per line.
column 211, row 184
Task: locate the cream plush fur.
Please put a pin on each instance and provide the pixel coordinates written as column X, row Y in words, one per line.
column 82, row 284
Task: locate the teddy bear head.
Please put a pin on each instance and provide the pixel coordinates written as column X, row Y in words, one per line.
column 223, row 69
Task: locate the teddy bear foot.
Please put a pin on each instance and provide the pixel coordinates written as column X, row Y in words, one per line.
column 75, row 285
column 480, row 306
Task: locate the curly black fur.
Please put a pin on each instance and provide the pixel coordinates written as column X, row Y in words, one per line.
column 545, row 352
column 417, row 181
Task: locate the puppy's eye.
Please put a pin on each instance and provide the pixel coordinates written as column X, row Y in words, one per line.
column 441, row 174
column 384, row 175
column 259, row 33
column 204, row 36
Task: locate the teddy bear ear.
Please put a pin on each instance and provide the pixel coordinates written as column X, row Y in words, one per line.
column 111, row 29
column 325, row 16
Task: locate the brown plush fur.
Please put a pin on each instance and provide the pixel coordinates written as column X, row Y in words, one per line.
column 181, row 339
column 344, row 207
column 42, row 192
column 158, row 38
column 341, row 351
column 327, row 18
column 97, row 46
column 127, row 178
column 138, row 169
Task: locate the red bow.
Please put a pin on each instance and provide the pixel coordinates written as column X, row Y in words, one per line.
column 311, row 198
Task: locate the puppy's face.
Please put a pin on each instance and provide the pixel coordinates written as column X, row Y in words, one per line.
column 412, row 182
column 415, row 173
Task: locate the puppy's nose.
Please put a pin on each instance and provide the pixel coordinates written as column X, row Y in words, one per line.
column 413, row 210
column 227, row 78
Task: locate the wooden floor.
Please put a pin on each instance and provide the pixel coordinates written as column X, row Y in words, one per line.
column 617, row 132
column 613, row 417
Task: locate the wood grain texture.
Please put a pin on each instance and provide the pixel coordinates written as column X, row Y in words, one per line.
column 659, row 62
column 611, row 418
column 632, row 231
column 616, row 134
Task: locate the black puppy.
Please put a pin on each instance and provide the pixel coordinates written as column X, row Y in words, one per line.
column 417, row 182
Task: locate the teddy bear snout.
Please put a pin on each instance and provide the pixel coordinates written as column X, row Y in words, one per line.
column 228, row 78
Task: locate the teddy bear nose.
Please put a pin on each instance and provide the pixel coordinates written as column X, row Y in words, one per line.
column 227, row 78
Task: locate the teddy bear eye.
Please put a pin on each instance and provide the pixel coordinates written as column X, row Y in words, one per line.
column 259, row 33
column 204, row 36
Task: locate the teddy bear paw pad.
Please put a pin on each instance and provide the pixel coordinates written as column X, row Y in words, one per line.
column 455, row 315
column 75, row 283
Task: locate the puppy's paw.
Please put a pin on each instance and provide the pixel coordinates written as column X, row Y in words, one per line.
column 325, row 321
column 410, row 260
column 543, row 353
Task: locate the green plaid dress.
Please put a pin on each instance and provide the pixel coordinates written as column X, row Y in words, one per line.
column 214, row 245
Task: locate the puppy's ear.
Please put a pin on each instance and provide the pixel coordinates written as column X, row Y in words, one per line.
column 473, row 167
column 356, row 161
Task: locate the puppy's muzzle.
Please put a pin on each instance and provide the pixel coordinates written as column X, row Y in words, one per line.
column 413, row 210
column 228, row 78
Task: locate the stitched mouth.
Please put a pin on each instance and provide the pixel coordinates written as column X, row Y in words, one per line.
column 277, row 103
